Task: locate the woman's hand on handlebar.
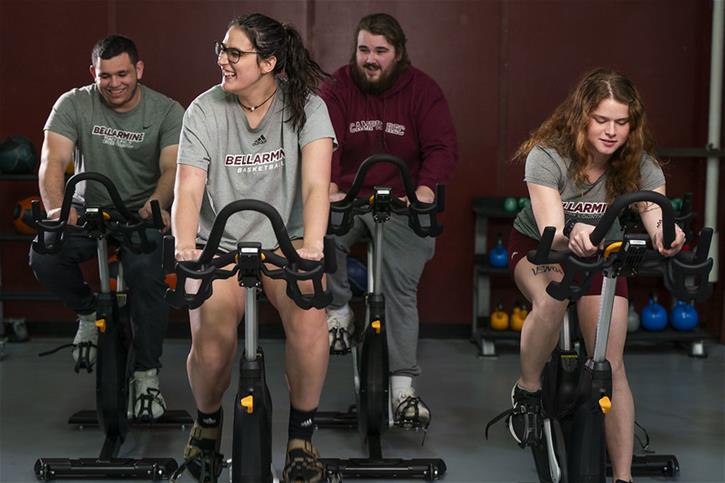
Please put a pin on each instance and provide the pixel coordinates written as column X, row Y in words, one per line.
column 310, row 252
column 54, row 214
column 580, row 242
column 188, row 254
column 676, row 244
column 335, row 193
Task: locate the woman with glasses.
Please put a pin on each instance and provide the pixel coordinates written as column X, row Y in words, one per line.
column 260, row 134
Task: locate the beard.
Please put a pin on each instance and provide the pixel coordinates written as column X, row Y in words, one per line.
column 385, row 82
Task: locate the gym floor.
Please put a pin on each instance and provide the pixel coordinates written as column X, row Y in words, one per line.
column 679, row 401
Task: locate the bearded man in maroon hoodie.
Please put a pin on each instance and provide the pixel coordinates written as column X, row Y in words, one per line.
column 380, row 104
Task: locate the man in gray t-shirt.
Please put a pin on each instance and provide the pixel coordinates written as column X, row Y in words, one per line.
column 129, row 133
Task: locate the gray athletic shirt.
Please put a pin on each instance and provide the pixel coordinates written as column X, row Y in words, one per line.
column 245, row 163
column 125, row 146
column 544, row 166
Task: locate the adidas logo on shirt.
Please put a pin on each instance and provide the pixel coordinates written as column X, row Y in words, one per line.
column 260, row 140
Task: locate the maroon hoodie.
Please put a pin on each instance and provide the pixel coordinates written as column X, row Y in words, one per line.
column 410, row 120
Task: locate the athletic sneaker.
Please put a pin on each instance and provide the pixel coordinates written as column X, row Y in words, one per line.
column 409, row 410
column 148, row 403
column 201, row 454
column 340, row 328
column 302, row 464
column 525, row 419
column 85, row 342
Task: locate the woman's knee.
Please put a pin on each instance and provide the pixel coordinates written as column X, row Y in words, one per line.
column 549, row 309
column 305, row 325
column 211, row 357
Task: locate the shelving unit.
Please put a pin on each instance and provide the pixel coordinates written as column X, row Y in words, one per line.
column 485, row 338
column 10, row 295
column 482, row 335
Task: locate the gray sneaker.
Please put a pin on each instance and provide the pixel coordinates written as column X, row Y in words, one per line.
column 148, row 403
column 85, row 343
column 340, row 328
column 409, row 411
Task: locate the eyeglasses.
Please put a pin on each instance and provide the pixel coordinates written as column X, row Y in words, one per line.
column 232, row 54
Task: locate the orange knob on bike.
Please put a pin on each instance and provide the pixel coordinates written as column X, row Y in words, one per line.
column 605, row 403
column 248, row 403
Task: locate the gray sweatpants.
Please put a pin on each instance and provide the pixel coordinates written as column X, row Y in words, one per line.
column 61, row 274
column 404, row 257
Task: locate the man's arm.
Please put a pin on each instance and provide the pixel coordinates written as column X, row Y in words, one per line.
column 56, row 153
column 438, row 143
column 164, row 191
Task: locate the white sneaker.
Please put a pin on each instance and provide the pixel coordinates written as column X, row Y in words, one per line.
column 409, row 410
column 85, row 343
column 340, row 328
column 148, row 403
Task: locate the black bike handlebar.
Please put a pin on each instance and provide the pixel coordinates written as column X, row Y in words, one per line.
column 623, row 201
column 119, row 220
column 421, row 216
column 291, row 267
column 685, row 274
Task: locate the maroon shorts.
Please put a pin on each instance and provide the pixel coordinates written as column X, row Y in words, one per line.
column 519, row 245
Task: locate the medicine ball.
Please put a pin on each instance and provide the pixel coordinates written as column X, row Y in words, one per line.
column 23, row 215
column 17, row 156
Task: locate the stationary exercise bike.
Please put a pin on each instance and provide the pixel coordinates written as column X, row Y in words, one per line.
column 576, row 397
column 372, row 411
column 115, row 355
column 251, row 460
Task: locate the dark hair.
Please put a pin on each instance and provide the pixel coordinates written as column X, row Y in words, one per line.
column 294, row 65
column 565, row 130
column 385, row 25
column 112, row 46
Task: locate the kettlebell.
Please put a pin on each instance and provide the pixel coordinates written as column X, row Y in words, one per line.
column 684, row 316
column 499, row 318
column 654, row 316
column 518, row 317
column 632, row 319
column 676, row 204
column 498, row 257
column 510, row 205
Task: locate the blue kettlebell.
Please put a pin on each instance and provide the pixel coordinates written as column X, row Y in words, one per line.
column 499, row 256
column 684, row 316
column 654, row 316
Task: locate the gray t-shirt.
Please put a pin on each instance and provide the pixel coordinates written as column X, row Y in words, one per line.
column 244, row 163
column 125, row 146
column 544, row 166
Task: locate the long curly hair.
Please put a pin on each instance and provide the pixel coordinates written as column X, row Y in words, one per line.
column 566, row 131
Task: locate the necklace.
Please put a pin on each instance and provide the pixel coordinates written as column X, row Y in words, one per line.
column 254, row 108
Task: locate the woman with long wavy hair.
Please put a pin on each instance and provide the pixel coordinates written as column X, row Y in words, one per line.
column 594, row 147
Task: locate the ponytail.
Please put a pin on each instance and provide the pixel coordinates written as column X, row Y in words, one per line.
column 294, row 67
column 302, row 74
